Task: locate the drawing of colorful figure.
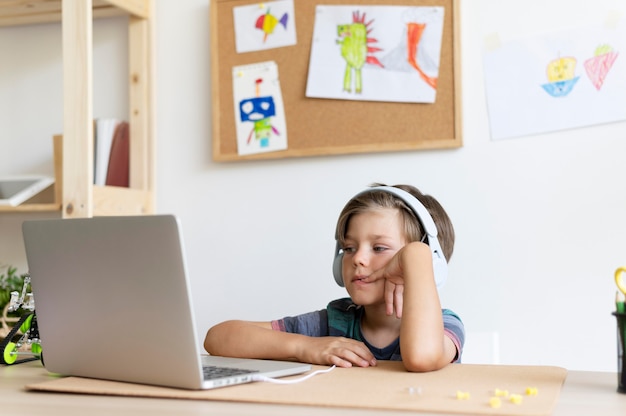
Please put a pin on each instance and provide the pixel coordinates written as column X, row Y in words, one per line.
column 599, row 66
column 561, row 76
column 259, row 110
column 404, row 57
column 268, row 22
column 419, row 46
column 354, row 40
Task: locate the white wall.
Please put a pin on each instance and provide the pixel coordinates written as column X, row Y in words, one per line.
column 31, row 104
column 538, row 219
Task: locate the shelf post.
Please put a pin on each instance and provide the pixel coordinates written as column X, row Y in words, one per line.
column 138, row 47
column 77, row 109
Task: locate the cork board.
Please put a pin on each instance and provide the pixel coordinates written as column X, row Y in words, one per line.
column 328, row 126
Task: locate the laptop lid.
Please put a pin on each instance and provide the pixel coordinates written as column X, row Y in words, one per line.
column 113, row 302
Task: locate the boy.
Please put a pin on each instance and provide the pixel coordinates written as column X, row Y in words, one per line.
column 391, row 275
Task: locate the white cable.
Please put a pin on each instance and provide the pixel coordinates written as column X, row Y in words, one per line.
column 298, row 380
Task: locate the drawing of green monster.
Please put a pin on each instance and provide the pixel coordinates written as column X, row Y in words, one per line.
column 354, row 41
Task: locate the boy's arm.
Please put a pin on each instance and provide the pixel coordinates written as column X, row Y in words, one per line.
column 423, row 342
column 249, row 340
column 258, row 340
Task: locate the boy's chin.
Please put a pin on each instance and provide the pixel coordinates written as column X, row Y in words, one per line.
column 366, row 299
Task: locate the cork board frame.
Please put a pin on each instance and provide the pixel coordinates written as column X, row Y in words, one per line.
column 332, row 127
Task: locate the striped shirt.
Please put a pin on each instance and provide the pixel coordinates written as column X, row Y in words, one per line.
column 342, row 318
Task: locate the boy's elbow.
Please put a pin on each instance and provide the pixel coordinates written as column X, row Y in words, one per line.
column 428, row 356
column 211, row 343
column 423, row 363
column 208, row 342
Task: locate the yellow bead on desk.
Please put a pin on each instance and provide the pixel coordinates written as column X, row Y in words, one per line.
column 501, row 393
column 462, row 395
column 495, row 402
column 516, row 398
column 532, row 391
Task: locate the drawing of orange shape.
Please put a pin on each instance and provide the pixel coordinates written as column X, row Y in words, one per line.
column 414, row 34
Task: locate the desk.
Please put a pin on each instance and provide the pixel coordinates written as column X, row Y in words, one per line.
column 584, row 393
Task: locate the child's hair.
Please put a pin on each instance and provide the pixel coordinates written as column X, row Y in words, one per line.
column 413, row 229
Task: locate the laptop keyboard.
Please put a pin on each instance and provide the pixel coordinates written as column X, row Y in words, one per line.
column 212, row 372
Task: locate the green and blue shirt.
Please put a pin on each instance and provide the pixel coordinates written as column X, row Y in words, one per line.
column 342, row 318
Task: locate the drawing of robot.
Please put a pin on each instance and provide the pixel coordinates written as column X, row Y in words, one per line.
column 259, row 110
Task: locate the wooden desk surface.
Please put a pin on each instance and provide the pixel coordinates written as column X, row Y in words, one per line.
column 584, row 393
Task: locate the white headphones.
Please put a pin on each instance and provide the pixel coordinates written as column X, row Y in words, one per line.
column 440, row 265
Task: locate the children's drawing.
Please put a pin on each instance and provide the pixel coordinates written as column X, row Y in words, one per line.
column 598, row 67
column 413, row 51
column 414, row 35
column 561, row 77
column 555, row 81
column 264, row 26
column 354, row 42
column 259, row 109
column 267, row 23
column 386, row 53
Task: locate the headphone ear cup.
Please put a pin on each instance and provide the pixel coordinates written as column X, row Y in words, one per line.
column 337, row 266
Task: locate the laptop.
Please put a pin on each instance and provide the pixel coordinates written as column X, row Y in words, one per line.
column 113, row 302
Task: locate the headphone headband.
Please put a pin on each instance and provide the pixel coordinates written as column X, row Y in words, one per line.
column 440, row 265
column 416, row 206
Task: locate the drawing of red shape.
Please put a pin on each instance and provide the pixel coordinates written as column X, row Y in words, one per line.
column 598, row 67
column 414, row 35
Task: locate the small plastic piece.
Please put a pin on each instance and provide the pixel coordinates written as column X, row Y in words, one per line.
column 516, row 398
column 35, row 348
column 532, row 391
column 414, row 391
column 462, row 395
column 10, row 353
column 501, row 393
column 495, row 402
column 26, row 325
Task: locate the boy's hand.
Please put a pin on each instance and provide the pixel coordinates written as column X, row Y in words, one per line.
column 339, row 351
column 394, row 298
column 394, row 284
column 394, row 273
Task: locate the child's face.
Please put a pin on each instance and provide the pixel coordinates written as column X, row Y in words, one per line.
column 372, row 239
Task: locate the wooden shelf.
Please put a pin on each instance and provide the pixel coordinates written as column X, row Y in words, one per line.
column 44, row 207
column 24, row 12
column 112, row 200
column 44, row 201
column 75, row 194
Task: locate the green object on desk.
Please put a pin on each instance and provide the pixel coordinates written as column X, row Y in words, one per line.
column 620, row 302
column 10, row 353
column 620, row 296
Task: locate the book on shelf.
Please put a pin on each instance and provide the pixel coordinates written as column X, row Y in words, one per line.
column 111, row 152
column 119, row 159
column 104, row 130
